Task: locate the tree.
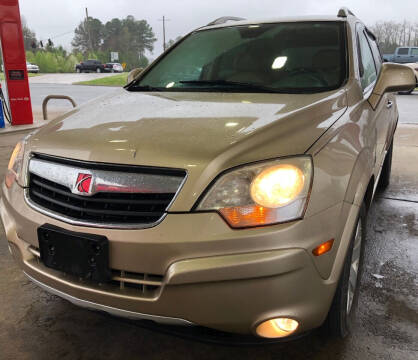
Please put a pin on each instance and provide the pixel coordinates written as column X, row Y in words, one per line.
column 391, row 35
column 29, row 36
column 128, row 35
column 88, row 35
column 112, row 35
column 172, row 42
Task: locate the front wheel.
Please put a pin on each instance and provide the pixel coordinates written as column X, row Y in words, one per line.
column 78, row 70
column 98, row 70
column 406, row 92
column 343, row 308
column 410, row 91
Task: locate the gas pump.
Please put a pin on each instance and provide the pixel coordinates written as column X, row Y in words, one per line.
column 4, row 110
column 14, row 61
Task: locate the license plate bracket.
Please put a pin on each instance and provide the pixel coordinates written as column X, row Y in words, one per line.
column 79, row 254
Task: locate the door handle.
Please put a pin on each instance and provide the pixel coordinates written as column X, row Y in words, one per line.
column 389, row 104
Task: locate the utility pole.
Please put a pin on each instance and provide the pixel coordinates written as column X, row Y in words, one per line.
column 164, row 20
column 88, row 30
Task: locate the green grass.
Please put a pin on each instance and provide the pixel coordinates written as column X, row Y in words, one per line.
column 29, row 74
column 116, row 80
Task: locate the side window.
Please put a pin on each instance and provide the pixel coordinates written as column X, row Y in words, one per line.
column 414, row 51
column 376, row 53
column 403, row 51
column 367, row 66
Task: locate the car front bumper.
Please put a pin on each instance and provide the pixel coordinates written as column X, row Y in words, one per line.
column 213, row 276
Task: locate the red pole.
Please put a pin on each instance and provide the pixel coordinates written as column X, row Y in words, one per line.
column 14, row 61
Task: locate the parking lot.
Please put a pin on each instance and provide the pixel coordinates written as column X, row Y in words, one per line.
column 37, row 325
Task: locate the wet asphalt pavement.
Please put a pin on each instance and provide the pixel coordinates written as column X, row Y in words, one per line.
column 37, row 325
column 80, row 94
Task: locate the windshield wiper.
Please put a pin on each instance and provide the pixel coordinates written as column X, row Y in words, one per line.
column 231, row 84
column 143, row 88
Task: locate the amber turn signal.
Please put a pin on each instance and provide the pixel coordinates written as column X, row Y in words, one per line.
column 11, row 174
column 323, row 248
column 245, row 216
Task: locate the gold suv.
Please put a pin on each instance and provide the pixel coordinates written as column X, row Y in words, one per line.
column 226, row 186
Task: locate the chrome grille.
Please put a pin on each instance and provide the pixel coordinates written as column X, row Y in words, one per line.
column 138, row 198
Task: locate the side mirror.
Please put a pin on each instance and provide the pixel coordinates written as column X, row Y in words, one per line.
column 133, row 74
column 392, row 78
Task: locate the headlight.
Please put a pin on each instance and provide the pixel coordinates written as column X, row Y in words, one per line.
column 15, row 164
column 261, row 194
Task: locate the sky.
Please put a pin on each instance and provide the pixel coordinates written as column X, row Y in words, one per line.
column 52, row 18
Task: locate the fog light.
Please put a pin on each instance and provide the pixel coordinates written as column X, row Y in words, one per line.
column 277, row 328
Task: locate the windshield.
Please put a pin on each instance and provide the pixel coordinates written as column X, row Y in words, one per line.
column 282, row 57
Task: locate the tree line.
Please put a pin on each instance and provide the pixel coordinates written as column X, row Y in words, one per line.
column 130, row 37
column 391, row 34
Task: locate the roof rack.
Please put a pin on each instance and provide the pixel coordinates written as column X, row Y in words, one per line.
column 224, row 19
column 345, row 12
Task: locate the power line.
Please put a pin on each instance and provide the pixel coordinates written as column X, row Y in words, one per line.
column 66, row 33
column 56, row 36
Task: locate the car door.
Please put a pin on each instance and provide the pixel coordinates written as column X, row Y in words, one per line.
column 414, row 55
column 402, row 55
column 378, row 119
column 388, row 127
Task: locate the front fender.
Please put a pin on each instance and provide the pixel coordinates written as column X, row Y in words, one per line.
column 360, row 178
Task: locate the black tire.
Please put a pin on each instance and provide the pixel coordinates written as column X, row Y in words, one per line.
column 78, row 70
column 340, row 317
column 410, row 91
column 98, row 70
column 406, row 92
column 386, row 169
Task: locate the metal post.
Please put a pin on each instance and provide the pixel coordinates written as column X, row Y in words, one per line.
column 2, row 124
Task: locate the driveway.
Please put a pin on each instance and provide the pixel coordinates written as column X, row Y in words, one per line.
column 66, row 79
column 408, row 108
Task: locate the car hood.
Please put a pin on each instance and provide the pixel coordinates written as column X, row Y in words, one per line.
column 203, row 133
